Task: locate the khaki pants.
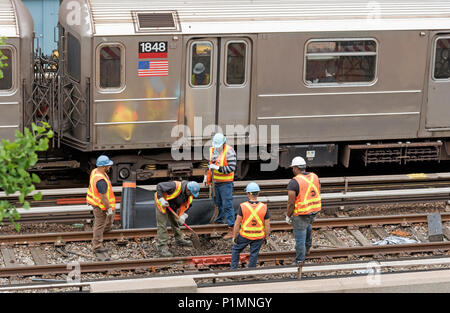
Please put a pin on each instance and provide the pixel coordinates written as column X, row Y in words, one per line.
column 161, row 222
column 102, row 224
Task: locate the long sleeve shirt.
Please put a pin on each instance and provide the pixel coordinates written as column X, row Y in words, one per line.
column 231, row 159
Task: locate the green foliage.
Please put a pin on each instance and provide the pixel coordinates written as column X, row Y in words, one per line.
column 16, row 158
column 2, row 57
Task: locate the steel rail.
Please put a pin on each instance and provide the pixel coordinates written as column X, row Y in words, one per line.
column 276, row 256
column 125, row 234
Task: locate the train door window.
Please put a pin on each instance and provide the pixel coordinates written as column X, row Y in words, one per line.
column 6, row 83
column 340, row 62
column 201, row 58
column 73, row 57
column 110, row 60
column 236, row 56
column 442, row 59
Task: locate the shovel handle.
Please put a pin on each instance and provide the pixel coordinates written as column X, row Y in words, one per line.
column 176, row 215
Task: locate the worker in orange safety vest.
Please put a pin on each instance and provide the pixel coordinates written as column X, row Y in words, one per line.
column 252, row 227
column 304, row 202
column 101, row 197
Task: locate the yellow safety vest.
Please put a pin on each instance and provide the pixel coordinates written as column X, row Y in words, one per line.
column 93, row 196
column 221, row 161
column 172, row 196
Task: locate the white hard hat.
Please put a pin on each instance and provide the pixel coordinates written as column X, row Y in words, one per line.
column 299, row 162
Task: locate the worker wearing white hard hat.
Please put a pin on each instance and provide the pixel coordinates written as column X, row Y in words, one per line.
column 304, row 202
column 222, row 164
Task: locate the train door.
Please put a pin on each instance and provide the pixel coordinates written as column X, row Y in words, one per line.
column 218, row 82
column 10, row 97
column 438, row 107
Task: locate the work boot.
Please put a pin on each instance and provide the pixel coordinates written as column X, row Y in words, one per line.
column 101, row 250
column 164, row 252
column 229, row 234
column 184, row 242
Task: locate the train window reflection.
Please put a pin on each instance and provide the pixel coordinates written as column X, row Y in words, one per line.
column 110, row 66
column 340, row 62
column 236, row 54
column 6, row 83
column 442, row 59
column 201, row 63
column 73, row 57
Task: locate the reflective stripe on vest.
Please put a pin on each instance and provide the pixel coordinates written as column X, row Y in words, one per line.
column 308, row 199
column 252, row 225
column 167, row 197
column 221, row 161
column 93, row 196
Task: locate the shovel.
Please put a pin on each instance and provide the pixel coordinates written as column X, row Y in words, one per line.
column 195, row 239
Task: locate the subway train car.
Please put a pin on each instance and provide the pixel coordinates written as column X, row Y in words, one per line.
column 344, row 82
column 16, row 26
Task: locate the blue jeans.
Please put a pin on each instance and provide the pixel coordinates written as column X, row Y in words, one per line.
column 241, row 243
column 224, row 201
column 303, row 235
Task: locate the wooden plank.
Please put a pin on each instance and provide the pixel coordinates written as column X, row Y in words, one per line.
column 446, row 232
column 380, row 232
column 359, row 236
column 38, row 256
column 9, row 257
column 418, row 235
column 333, row 239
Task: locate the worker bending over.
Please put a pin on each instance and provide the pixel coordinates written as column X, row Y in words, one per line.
column 177, row 195
column 252, row 227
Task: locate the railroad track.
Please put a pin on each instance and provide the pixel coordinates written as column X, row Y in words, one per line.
column 76, row 196
column 330, row 229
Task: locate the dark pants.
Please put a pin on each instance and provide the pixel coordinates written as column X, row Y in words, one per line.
column 241, row 243
column 224, row 201
column 161, row 224
column 303, row 235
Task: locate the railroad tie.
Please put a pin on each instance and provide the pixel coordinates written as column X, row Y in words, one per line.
column 359, row 236
column 334, row 239
column 446, row 232
column 418, row 235
column 9, row 257
column 379, row 231
column 38, row 256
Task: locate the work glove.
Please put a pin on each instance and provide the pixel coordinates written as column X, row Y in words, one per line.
column 204, row 179
column 183, row 218
column 266, row 240
column 288, row 219
column 214, row 167
column 163, row 202
column 109, row 212
column 233, row 240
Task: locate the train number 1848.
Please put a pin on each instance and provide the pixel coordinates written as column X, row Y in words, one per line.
column 153, row 47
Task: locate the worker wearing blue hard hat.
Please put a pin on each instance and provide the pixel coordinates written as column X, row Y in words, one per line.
column 221, row 168
column 101, row 197
column 252, row 227
column 178, row 195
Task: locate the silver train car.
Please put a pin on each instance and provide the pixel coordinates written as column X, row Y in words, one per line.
column 16, row 26
column 342, row 80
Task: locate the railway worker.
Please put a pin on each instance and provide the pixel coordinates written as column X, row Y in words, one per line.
column 330, row 73
column 252, row 227
column 304, row 202
column 178, row 195
column 199, row 76
column 222, row 165
column 101, row 197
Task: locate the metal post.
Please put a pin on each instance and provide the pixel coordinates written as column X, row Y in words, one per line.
column 127, row 208
column 299, row 270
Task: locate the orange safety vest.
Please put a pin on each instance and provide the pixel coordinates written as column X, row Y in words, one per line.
column 308, row 199
column 172, row 196
column 221, row 161
column 252, row 225
column 93, row 196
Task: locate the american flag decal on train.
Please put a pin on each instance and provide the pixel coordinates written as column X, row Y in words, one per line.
column 153, row 68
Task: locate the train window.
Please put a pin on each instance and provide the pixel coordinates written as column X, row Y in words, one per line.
column 201, row 63
column 110, row 59
column 73, row 57
column 340, row 62
column 236, row 54
column 442, row 59
column 6, row 83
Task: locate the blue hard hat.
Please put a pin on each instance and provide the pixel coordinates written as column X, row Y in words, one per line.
column 218, row 140
column 194, row 188
column 103, row 160
column 252, row 187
